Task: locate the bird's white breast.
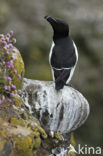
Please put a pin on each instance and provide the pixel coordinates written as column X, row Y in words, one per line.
column 51, row 50
column 76, row 51
column 50, row 54
column 73, row 68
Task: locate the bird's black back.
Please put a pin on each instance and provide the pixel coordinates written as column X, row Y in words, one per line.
column 63, row 54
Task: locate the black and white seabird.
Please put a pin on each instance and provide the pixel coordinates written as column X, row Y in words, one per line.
column 63, row 53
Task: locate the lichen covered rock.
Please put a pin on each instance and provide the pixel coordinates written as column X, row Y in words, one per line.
column 22, row 130
column 26, row 122
column 59, row 113
column 20, row 133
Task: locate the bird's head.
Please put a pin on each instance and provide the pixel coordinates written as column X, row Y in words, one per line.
column 60, row 27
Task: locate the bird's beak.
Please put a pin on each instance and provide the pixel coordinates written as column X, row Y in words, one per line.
column 50, row 19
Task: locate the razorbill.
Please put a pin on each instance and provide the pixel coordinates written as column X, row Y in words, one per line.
column 63, row 53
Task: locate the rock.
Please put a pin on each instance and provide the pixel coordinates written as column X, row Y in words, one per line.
column 40, row 120
column 62, row 111
column 20, row 133
column 59, row 113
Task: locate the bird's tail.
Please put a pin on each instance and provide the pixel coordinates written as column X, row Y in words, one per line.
column 60, row 82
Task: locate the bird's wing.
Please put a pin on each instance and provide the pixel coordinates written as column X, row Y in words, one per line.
column 63, row 57
column 61, row 61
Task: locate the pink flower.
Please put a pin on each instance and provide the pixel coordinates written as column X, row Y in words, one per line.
column 11, row 32
column 19, row 76
column 7, row 52
column 14, row 50
column 7, row 39
column 10, row 64
column 6, row 87
column 9, row 78
column 14, row 40
column 10, row 45
column 15, row 71
column 3, row 42
column 12, row 94
column 13, row 57
column 5, row 48
column 8, row 35
column 3, row 98
column 0, row 101
column 9, row 87
column 3, row 63
column 9, row 100
column 13, row 86
column 1, row 36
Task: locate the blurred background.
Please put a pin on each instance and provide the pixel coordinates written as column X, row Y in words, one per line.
column 34, row 36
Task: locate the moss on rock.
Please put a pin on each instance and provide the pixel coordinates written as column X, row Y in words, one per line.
column 17, row 100
column 21, row 132
column 73, row 143
column 58, row 136
column 19, row 67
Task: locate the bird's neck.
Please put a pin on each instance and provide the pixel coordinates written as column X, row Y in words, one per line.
column 57, row 36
